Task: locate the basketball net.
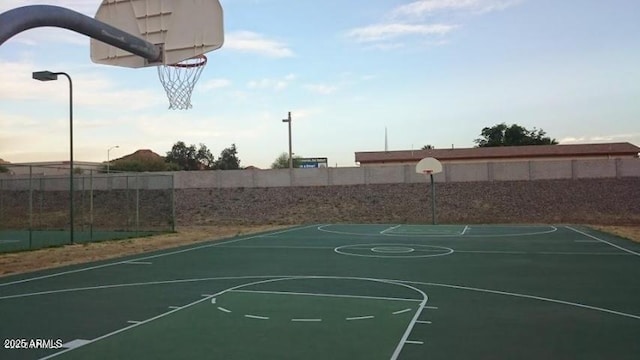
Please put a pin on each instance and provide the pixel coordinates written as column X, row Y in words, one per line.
column 179, row 79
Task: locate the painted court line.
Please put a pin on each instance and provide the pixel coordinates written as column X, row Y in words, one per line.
column 389, row 229
column 256, row 317
column 324, row 295
column 75, row 343
column 181, row 281
column 223, row 309
column 151, row 256
column 423, row 322
column 138, row 263
column 414, row 342
column 431, row 307
column 524, row 296
column 134, row 322
column 160, row 316
column 603, row 241
column 306, row 320
column 360, row 317
column 401, row 311
column 174, row 307
column 586, row 241
column 466, row 227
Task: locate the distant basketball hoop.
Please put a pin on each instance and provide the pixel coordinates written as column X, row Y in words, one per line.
column 430, row 166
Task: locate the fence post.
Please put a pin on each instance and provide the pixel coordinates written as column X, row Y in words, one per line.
column 90, row 205
column 137, row 203
column 173, row 203
column 30, row 206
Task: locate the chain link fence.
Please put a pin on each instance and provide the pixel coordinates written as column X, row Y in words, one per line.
column 36, row 209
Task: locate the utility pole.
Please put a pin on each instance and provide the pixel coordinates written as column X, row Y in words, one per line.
column 288, row 120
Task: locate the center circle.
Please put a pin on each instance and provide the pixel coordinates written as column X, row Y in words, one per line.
column 392, row 249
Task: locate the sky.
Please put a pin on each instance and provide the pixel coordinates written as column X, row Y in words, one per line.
column 429, row 71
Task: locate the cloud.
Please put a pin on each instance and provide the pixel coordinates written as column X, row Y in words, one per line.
column 90, row 89
column 379, row 32
column 599, row 138
column 214, row 84
column 322, row 89
column 273, row 84
column 423, row 8
column 87, row 7
column 251, row 42
column 407, row 26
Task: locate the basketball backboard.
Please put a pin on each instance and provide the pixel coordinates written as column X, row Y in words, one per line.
column 429, row 165
column 183, row 28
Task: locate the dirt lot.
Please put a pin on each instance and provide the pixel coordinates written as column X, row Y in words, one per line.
column 631, row 232
column 21, row 262
column 75, row 254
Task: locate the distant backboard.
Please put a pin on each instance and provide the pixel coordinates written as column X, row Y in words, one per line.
column 183, row 28
column 429, row 165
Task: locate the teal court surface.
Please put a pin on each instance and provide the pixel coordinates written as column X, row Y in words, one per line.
column 341, row 291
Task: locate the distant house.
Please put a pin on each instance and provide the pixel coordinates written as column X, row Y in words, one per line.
column 50, row 168
column 501, row 154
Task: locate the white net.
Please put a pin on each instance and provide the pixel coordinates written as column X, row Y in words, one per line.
column 179, row 79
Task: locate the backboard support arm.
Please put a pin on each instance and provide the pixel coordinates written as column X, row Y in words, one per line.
column 17, row 20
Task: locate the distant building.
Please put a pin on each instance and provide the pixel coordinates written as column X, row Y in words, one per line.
column 501, row 154
column 51, row 168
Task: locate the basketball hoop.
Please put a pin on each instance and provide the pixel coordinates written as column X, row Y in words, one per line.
column 179, row 79
column 427, row 172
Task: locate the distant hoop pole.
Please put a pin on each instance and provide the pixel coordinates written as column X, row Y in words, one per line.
column 433, row 195
column 17, row 20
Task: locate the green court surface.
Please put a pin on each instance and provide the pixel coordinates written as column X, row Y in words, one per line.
column 19, row 240
column 387, row 291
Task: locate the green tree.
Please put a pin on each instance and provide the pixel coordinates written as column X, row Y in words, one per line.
column 513, row 135
column 228, row 159
column 189, row 158
column 4, row 169
column 427, row 147
column 139, row 165
column 282, row 161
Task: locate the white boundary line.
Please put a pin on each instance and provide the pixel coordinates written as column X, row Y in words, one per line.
column 390, row 229
column 169, row 282
column 466, row 227
column 360, row 317
column 271, row 279
column 256, row 317
column 401, row 311
column 603, row 241
column 553, row 229
column 419, row 247
column 306, row 320
column 414, row 342
column 153, row 256
column 325, row 295
column 524, row 296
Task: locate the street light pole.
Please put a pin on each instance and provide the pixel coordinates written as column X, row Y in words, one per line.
column 288, row 120
column 108, row 150
column 49, row 76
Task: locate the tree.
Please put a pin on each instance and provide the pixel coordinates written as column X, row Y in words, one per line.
column 282, row 161
column 513, row 135
column 4, row 169
column 190, row 158
column 427, row 147
column 228, row 159
column 140, row 165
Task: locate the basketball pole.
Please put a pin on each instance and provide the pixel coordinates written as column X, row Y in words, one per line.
column 433, row 200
